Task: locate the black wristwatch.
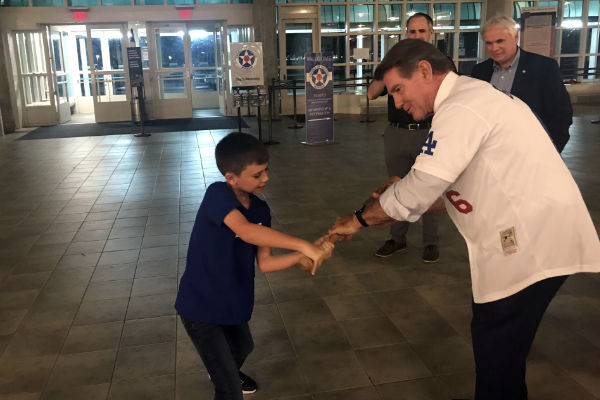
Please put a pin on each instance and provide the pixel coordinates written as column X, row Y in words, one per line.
column 359, row 217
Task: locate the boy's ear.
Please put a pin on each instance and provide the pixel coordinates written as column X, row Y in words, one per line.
column 230, row 177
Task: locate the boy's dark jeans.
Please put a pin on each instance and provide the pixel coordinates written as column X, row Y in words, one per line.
column 223, row 349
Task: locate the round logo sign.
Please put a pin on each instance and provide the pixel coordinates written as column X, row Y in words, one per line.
column 246, row 59
column 319, row 77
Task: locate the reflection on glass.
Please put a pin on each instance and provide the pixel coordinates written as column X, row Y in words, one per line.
column 468, row 45
column 204, row 81
column 389, row 17
column 298, row 76
column 570, row 41
column 333, row 19
column 357, row 72
column 568, row 67
column 339, row 75
column 110, row 87
column 336, row 45
column 361, row 42
column 591, row 44
column 107, row 53
column 203, row 48
column 443, row 16
column 385, row 42
column 593, row 13
column 298, row 40
column 444, row 41
column 591, row 71
column 172, row 86
column 169, row 48
column 361, row 18
column 518, row 6
column 470, row 15
column 239, row 34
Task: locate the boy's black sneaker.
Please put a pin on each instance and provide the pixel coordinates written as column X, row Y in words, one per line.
column 248, row 384
column 390, row 247
column 431, row 253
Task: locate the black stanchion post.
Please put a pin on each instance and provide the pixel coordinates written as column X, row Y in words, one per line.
column 239, row 119
column 272, row 102
column 296, row 125
column 142, row 109
column 368, row 116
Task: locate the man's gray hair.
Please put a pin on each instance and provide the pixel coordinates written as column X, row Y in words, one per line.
column 504, row 21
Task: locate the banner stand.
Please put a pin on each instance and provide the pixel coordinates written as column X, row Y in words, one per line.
column 318, row 69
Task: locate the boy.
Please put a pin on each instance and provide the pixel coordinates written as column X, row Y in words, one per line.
column 216, row 292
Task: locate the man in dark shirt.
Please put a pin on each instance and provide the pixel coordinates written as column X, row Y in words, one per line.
column 403, row 140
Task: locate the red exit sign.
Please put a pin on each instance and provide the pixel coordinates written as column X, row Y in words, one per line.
column 79, row 15
column 185, row 13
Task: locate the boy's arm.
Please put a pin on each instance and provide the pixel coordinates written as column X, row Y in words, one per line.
column 263, row 236
column 267, row 262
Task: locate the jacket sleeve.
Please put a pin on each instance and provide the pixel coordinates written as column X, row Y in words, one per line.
column 556, row 105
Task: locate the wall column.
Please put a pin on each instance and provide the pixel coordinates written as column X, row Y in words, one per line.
column 263, row 12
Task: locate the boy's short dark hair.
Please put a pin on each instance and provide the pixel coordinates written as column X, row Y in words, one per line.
column 420, row 15
column 238, row 150
column 405, row 55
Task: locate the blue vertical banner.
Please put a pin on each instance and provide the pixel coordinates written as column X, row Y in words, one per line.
column 318, row 68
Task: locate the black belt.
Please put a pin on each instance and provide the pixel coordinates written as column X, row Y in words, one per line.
column 411, row 127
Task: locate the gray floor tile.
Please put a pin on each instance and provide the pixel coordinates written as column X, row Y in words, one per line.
column 392, row 363
column 145, row 361
column 138, row 332
column 82, row 369
column 86, row 338
column 152, row 388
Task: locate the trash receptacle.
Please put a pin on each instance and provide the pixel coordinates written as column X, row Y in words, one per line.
column 136, row 111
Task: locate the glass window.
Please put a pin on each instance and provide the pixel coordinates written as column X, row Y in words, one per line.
column 389, row 17
column 444, row 41
column 180, row 1
column 593, row 12
column 572, row 9
column 443, row 16
column 336, row 45
column 116, row 2
column 357, row 72
column 333, row 19
column 215, row 1
column 361, row 41
column 204, row 80
column 110, row 87
column 107, row 51
column 591, row 44
column 570, row 41
column 470, row 15
column 149, row 2
column 14, row 3
column 385, row 42
column 339, row 75
column 568, row 67
column 518, row 6
column 33, row 68
column 250, row 1
column 331, row 1
column 298, row 40
column 237, row 34
column 81, row 3
column 361, row 18
column 172, row 86
column 48, row 3
column 468, row 45
column 591, row 68
column 169, row 49
column 203, row 48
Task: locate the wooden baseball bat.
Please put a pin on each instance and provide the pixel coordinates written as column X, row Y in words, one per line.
column 306, row 263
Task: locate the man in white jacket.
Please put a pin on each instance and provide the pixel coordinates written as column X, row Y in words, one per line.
column 507, row 190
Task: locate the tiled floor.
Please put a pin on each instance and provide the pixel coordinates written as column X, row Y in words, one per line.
column 94, row 233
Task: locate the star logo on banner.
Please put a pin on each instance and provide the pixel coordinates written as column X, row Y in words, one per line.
column 246, row 58
column 319, row 77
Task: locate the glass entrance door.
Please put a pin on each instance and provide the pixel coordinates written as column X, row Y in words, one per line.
column 59, row 66
column 106, row 57
column 203, row 66
column 299, row 39
column 35, row 78
column 172, row 76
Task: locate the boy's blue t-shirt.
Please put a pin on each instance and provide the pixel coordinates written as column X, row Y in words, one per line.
column 218, row 283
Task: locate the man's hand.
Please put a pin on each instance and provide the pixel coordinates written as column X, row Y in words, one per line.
column 346, row 226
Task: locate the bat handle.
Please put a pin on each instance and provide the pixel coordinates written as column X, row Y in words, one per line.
column 306, row 263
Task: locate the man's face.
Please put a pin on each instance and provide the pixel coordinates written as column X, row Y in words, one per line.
column 500, row 44
column 413, row 94
column 418, row 28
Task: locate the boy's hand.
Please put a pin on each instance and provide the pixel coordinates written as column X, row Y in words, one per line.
column 318, row 254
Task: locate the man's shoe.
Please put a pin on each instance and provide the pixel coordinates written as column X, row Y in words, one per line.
column 431, row 253
column 248, row 384
column 389, row 248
